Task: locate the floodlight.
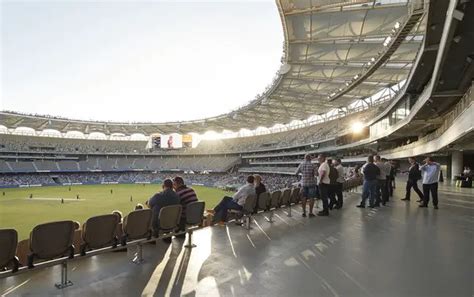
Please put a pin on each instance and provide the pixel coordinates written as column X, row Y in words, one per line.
column 357, row 127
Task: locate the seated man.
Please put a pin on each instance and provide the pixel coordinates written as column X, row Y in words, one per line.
column 165, row 198
column 235, row 202
column 186, row 196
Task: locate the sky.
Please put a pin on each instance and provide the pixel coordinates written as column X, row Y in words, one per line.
column 136, row 60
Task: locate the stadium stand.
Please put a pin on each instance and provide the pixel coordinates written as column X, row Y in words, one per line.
column 420, row 51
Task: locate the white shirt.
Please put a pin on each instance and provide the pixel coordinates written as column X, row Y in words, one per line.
column 430, row 173
column 340, row 172
column 241, row 195
column 323, row 167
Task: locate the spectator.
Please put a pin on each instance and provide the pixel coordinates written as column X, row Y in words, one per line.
column 139, row 206
column 119, row 214
column 333, row 175
column 235, row 202
column 308, row 182
column 323, row 178
column 166, row 197
column 369, row 188
column 430, row 170
column 259, row 188
column 382, row 190
column 186, row 196
column 414, row 174
column 339, row 182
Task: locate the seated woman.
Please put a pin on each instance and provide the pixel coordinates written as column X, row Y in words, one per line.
column 237, row 201
column 259, row 189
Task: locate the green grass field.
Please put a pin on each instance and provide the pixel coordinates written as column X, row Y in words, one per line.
column 20, row 212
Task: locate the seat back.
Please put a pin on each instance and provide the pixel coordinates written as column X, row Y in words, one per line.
column 137, row 223
column 249, row 204
column 275, row 199
column 8, row 242
column 99, row 231
column 285, row 197
column 295, row 195
column 195, row 212
column 263, row 201
column 52, row 240
column 170, row 217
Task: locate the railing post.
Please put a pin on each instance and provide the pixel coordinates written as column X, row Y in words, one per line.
column 138, row 259
column 64, row 280
column 190, row 244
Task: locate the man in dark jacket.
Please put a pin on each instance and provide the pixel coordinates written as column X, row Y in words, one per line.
column 414, row 174
column 165, row 198
column 369, row 188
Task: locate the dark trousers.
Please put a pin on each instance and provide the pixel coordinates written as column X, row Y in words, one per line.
column 382, row 191
column 332, row 195
column 411, row 183
column 220, row 211
column 338, row 193
column 433, row 188
column 389, row 186
column 324, row 193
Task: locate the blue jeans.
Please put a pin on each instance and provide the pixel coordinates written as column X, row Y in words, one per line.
column 369, row 190
column 222, row 208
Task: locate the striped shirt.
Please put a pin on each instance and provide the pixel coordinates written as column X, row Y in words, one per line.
column 308, row 172
column 186, row 196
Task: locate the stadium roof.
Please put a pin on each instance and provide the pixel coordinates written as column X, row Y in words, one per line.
column 335, row 52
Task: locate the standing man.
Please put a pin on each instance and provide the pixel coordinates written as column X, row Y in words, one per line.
column 382, row 190
column 308, row 182
column 186, row 195
column 370, row 171
column 339, row 182
column 430, row 170
column 323, row 183
column 166, row 197
column 414, row 174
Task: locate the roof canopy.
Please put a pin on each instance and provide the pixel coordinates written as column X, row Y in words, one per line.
column 335, row 52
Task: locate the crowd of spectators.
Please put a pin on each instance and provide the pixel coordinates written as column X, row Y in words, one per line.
column 230, row 180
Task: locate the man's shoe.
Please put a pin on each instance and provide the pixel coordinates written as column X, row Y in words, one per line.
column 360, row 206
column 423, row 205
column 372, row 206
column 167, row 240
column 323, row 213
column 419, row 200
column 377, row 205
column 304, row 215
column 436, row 207
column 405, row 199
column 311, row 215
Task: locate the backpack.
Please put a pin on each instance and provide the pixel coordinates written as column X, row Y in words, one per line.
column 333, row 175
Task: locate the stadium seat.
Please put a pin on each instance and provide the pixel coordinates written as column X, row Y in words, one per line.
column 273, row 204
column 169, row 219
column 246, row 212
column 263, row 201
column 285, row 197
column 194, row 215
column 51, row 240
column 136, row 225
column 99, row 232
column 8, row 242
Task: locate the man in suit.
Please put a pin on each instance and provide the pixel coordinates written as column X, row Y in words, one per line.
column 414, row 174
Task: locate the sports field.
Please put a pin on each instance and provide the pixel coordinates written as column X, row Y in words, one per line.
column 19, row 211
